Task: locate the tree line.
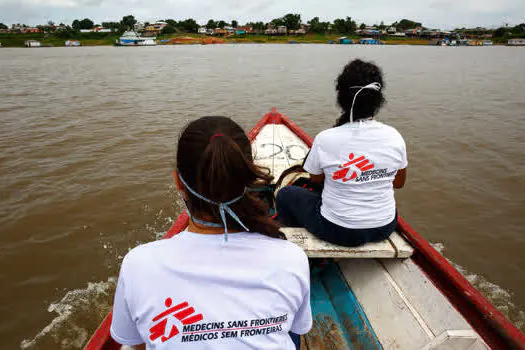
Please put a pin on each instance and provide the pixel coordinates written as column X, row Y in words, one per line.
column 292, row 21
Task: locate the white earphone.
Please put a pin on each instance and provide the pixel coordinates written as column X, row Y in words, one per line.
column 372, row 86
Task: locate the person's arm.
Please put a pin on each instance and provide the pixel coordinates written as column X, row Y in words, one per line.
column 399, row 180
column 317, row 179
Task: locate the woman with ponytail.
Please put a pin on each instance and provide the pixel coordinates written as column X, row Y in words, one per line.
column 360, row 161
column 231, row 280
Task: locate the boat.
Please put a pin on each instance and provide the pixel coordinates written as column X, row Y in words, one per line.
column 32, row 43
column 396, row 294
column 370, row 41
column 516, row 42
column 72, row 43
column 487, row 43
column 345, row 41
column 131, row 38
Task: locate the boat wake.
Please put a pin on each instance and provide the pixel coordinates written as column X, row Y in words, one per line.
column 69, row 328
column 499, row 297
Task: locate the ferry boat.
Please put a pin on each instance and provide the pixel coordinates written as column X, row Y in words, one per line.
column 516, row 42
column 131, row 38
column 397, row 294
column 32, row 43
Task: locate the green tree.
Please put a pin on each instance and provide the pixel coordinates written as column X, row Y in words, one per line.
column 344, row 26
column 362, row 26
column 3, row 26
column 381, row 25
column 277, row 22
column 168, row 29
column 172, row 22
column 211, row 24
column 221, row 24
column 235, row 24
column 189, row 25
column 85, row 23
column 500, row 32
column 405, row 24
column 111, row 25
column 292, row 21
column 257, row 25
column 318, row 27
column 128, row 22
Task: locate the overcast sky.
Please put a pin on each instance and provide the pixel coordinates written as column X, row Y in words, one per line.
column 444, row 14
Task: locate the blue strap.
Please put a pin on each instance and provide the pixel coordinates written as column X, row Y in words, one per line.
column 223, row 210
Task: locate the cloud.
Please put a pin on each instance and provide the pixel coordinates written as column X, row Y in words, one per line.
column 445, row 14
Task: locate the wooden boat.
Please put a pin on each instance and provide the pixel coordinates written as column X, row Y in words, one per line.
column 396, row 294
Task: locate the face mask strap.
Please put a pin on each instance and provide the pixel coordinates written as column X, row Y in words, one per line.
column 223, row 210
column 372, row 86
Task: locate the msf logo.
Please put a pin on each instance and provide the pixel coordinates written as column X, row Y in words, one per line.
column 352, row 169
column 182, row 312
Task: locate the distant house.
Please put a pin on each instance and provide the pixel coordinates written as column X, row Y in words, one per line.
column 202, row 30
column 240, row 32
column 391, row 30
column 246, row 29
column 33, row 30
column 229, row 29
column 282, row 30
column 86, row 30
column 101, row 29
column 220, row 31
column 270, row 31
column 156, row 27
column 139, row 26
column 300, row 31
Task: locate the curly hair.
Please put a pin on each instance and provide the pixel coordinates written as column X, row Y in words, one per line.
column 368, row 102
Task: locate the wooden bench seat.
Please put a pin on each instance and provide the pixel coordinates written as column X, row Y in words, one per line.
column 394, row 247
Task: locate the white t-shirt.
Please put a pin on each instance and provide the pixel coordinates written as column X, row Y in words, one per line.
column 359, row 160
column 196, row 291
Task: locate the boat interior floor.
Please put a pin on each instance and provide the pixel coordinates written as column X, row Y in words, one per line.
column 377, row 298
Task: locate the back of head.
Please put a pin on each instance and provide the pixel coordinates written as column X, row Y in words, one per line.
column 214, row 157
column 354, row 76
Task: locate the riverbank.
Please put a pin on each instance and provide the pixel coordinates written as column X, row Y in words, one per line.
column 103, row 39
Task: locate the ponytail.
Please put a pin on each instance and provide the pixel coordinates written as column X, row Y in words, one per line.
column 214, row 157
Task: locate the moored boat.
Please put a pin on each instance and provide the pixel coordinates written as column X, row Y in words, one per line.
column 72, row 43
column 516, row 42
column 32, row 43
column 133, row 39
column 396, row 294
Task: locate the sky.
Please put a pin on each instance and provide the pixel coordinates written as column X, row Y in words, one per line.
column 442, row 14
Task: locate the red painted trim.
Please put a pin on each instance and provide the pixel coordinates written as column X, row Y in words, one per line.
column 101, row 339
column 490, row 323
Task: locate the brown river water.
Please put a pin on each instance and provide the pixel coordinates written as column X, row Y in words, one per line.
column 87, row 138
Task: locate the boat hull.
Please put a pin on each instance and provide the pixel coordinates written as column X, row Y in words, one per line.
column 485, row 319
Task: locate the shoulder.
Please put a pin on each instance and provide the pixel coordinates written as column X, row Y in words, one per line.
column 328, row 134
column 390, row 130
column 144, row 254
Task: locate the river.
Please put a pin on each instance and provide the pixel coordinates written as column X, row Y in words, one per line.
column 88, row 134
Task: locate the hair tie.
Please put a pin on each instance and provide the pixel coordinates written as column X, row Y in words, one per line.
column 214, row 136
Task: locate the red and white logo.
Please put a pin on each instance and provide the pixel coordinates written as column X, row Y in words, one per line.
column 182, row 312
column 352, row 169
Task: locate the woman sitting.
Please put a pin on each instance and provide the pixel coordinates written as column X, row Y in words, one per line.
column 230, row 281
column 360, row 161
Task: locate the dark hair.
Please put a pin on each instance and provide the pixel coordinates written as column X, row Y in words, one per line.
column 368, row 102
column 214, row 157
